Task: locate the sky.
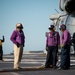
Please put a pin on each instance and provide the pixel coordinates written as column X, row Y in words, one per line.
column 33, row 14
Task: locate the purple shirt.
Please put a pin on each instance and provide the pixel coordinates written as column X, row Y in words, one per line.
column 66, row 37
column 53, row 39
column 18, row 37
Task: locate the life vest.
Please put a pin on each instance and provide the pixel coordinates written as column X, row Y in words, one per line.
column 0, row 43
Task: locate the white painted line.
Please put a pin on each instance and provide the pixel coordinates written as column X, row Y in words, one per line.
column 14, row 73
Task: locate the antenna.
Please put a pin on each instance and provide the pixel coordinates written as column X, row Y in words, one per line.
column 56, row 11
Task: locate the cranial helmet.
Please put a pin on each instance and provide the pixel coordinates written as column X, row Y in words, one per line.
column 19, row 25
column 63, row 27
column 51, row 27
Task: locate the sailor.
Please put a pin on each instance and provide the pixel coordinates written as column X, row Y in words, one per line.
column 1, row 49
column 18, row 38
column 65, row 47
column 52, row 43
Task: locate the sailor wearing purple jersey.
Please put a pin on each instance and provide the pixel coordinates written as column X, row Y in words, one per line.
column 18, row 39
column 65, row 48
column 52, row 43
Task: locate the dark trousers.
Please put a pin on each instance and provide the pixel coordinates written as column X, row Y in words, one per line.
column 51, row 56
column 1, row 53
column 74, row 48
column 65, row 57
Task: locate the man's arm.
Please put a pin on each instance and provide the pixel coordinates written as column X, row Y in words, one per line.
column 3, row 39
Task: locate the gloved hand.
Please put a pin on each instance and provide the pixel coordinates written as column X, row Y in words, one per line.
column 46, row 48
column 3, row 36
column 62, row 45
column 59, row 47
column 23, row 45
column 18, row 44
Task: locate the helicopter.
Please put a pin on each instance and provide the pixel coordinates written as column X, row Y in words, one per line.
column 67, row 17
